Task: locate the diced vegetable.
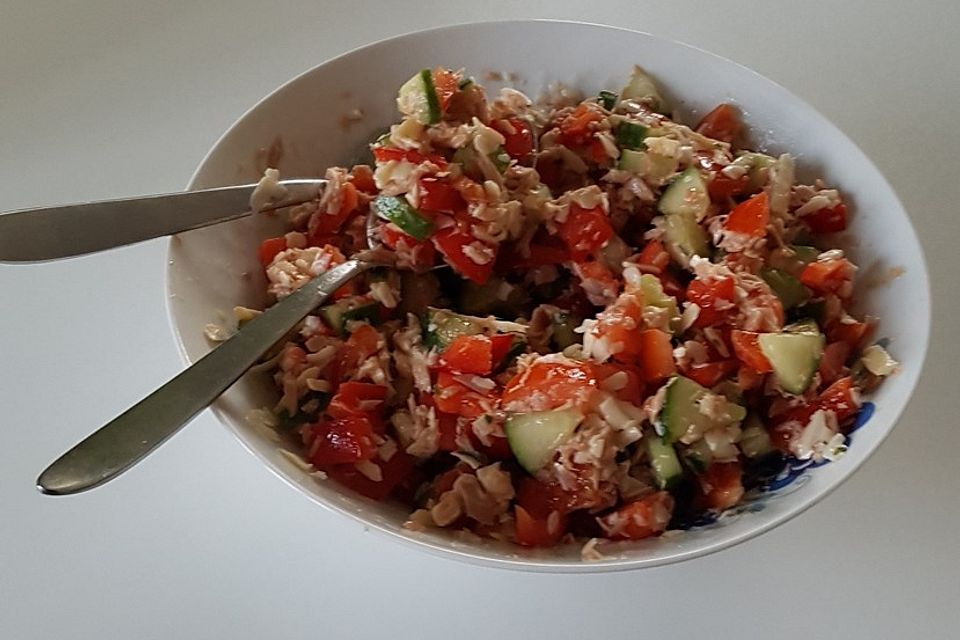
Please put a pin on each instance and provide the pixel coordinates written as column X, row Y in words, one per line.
column 469, row 354
column 630, row 135
column 714, row 297
column 534, row 437
column 418, row 98
column 399, row 212
column 459, row 249
column 269, row 249
column 338, row 314
column 746, row 345
column 663, row 459
column 790, row 290
column 686, row 195
column 794, row 358
column 641, row 88
column 442, row 327
column 607, row 99
column 684, row 412
column 754, row 439
column 750, row 217
column 723, row 123
column 656, row 355
column 585, row 231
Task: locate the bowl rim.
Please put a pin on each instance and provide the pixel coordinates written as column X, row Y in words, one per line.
column 541, row 565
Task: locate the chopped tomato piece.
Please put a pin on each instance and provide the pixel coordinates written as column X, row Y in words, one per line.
column 639, row 519
column 750, row 217
column 342, row 440
column 518, row 138
column 452, row 396
column 440, row 196
column 827, row 276
column 714, row 297
column 748, row 378
column 852, row 333
column 447, row 425
column 385, row 154
column 632, row 389
column 269, row 249
column 834, row 357
column 362, row 177
column 656, row 355
column 452, row 243
column 547, row 385
column 720, row 186
column 445, row 83
column 469, row 354
column 654, row 255
column 323, row 224
column 598, row 152
column 708, row 374
column 829, row 220
column 500, row 346
column 721, row 485
column 575, row 127
column 585, row 231
column 746, row 345
column 840, row 398
column 356, row 398
column 723, row 123
column 540, row 514
column 788, row 427
column 421, row 253
column 619, row 325
column 394, row 471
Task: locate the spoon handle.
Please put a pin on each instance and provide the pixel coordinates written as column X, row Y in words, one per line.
column 48, row 233
column 128, row 438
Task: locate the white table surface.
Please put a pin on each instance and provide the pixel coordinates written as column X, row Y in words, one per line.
column 106, row 98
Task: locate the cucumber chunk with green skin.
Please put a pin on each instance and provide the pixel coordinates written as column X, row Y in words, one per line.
column 664, row 462
column 793, row 258
column 685, row 238
column 654, row 296
column 755, row 441
column 758, row 171
column 634, row 161
column 534, row 437
column 697, row 456
column 630, row 135
column 418, row 98
column 398, row 211
column 607, row 99
column 790, row 290
column 794, row 358
column 687, row 194
column 442, row 327
column 683, row 411
column 338, row 314
column 641, row 88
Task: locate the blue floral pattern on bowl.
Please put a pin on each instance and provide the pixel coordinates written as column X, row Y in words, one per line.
column 790, row 475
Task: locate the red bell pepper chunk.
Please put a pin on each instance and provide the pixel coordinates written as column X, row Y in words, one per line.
column 445, row 83
column 746, row 346
column 454, row 397
column 500, row 346
column 721, row 485
column 385, row 154
column 709, row 295
column 834, row 357
column 549, row 385
column 585, row 231
column 575, row 127
column 518, row 138
column 440, row 196
column 750, row 217
column 723, row 123
column 829, row 220
column 827, row 276
column 342, row 440
column 393, row 471
column 840, row 398
column 357, row 399
column 643, row 518
column 654, row 255
column 469, row 354
column 656, row 355
column 269, row 249
column 536, row 501
column 708, row 374
column 451, row 242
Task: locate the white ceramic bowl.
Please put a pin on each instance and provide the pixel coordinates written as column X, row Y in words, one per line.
column 216, row 268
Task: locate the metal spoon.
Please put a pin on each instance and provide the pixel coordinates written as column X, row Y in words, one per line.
column 128, row 438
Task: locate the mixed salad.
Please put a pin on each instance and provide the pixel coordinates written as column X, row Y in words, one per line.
column 631, row 317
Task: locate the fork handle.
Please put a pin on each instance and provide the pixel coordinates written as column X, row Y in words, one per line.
column 128, row 438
